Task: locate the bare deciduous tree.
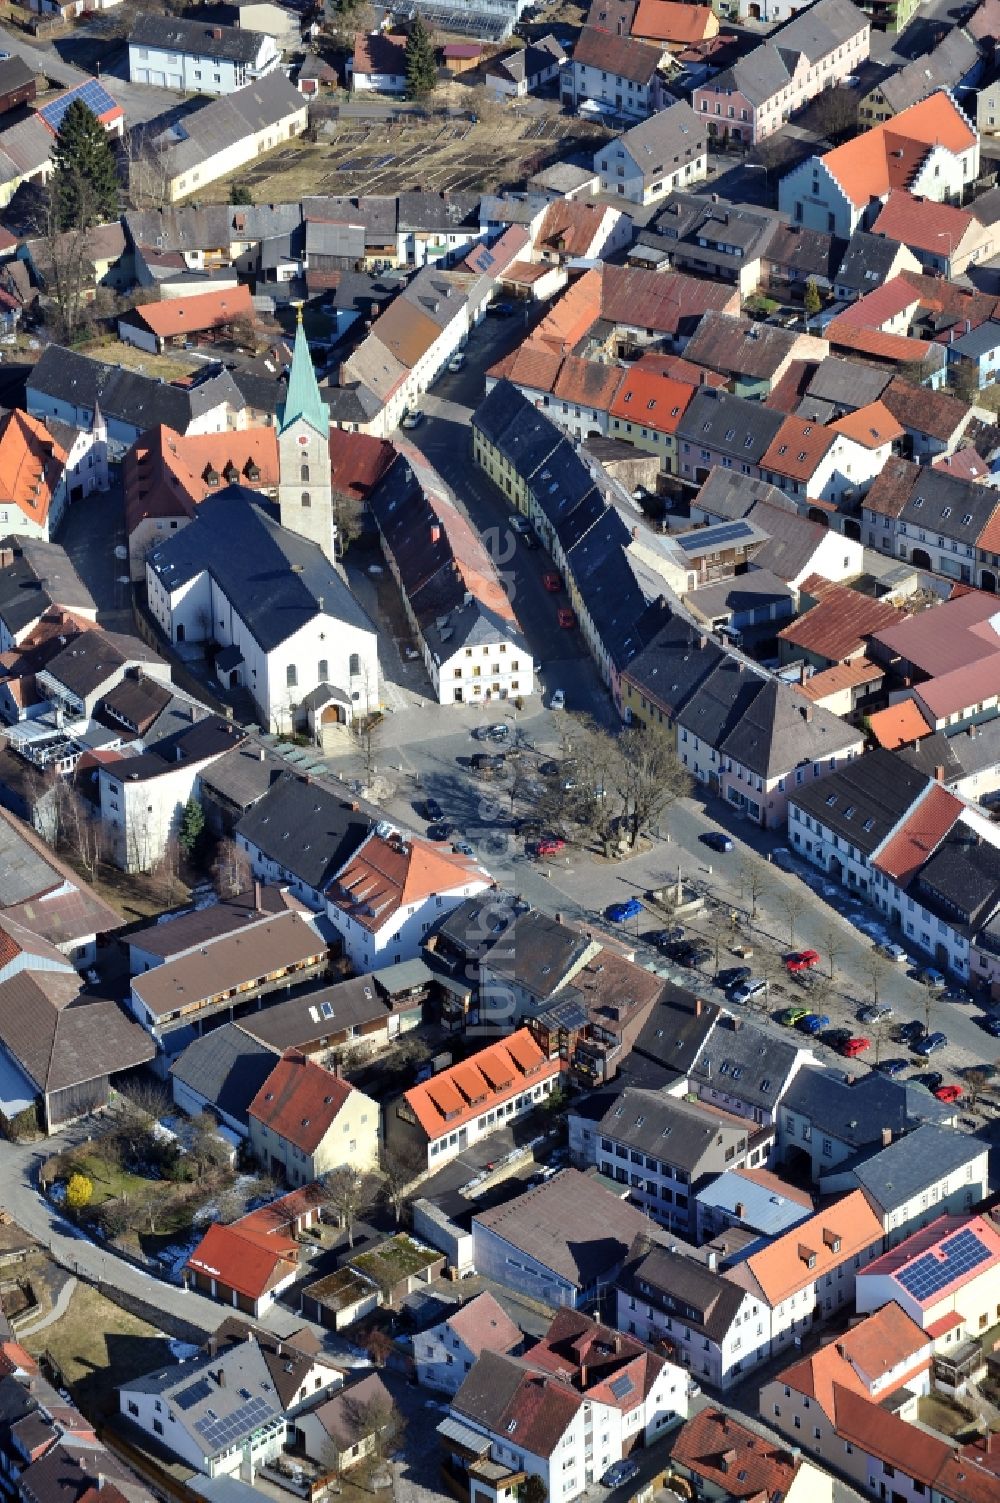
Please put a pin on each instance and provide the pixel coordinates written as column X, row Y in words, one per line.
column 398, row 1174
column 232, row 869
column 873, row 967
column 832, row 946
column 793, row 902
column 366, row 735
column 349, row 1193
column 754, row 882
column 82, row 833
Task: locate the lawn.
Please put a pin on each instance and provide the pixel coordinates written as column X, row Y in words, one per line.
column 942, row 1414
column 97, row 1346
column 394, row 1260
column 109, row 1182
column 172, row 367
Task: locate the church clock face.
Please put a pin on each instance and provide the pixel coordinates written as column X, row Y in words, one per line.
column 303, row 440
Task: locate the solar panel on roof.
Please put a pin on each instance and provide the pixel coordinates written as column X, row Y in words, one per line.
column 219, row 1434
column 725, row 532
column 94, row 95
column 959, row 1255
column 193, row 1394
column 622, row 1386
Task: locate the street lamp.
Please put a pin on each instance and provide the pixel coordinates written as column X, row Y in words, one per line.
column 947, row 235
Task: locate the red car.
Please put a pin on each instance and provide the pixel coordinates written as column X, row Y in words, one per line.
column 803, row 961
column 852, row 1047
column 550, row 845
column 566, row 618
column 949, row 1093
column 552, row 583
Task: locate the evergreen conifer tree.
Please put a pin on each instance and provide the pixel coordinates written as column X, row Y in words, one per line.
column 85, row 181
column 421, row 68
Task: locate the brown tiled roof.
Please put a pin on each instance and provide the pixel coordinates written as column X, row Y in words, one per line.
column 668, row 302
column 379, row 52
column 671, row 21
column 300, row 1101
column 569, row 226
column 890, row 490
column 736, row 1460
column 919, row 835
column 895, row 347
column 484, row 1325
column 587, row 383
column 838, row 626
column 797, row 448
column 937, row 413
column 841, row 676
column 791, row 388
column 621, row 55
column 533, row 364
column 878, row 1432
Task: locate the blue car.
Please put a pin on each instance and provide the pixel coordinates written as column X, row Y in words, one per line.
column 718, row 840
column 619, row 912
column 893, row 1067
column 814, row 1022
column 619, row 1472
column 931, row 1044
column 992, row 1026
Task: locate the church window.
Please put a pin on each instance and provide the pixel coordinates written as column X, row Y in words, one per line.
column 306, row 499
column 323, row 671
column 355, row 664
column 291, row 676
column 304, row 472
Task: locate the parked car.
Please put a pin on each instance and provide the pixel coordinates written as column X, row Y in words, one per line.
column 911, row 1032
column 557, row 700
column 498, row 732
column 932, row 978
column 931, row 1044
column 954, row 994
column 931, row 1079
column 748, row 990
column 790, row 1017
column 412, row 418
column 880, row 1012
column 525, row 531
column 442, row 832
column 433, row 811
column 893, row 1067
column 717, row 840
column 732, row 976
column 691, row 953
column 803, row 960
column 463, row 848
column 813, row 1022
column 488, row 762
column 552, row 582
column 992, row 1026
column 619, row 1472
column 566, row 618
column 550, row 845
column 500, row 310
column 892, row 952
column 456, row 362
column 948, row 1093
column 619, row 912
column 851, row 1048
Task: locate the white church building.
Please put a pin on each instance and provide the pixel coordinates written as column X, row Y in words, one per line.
column 260, row 580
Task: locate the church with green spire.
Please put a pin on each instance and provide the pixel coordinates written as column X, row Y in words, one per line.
column 305, row 491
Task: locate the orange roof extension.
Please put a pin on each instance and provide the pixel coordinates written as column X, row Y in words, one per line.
column 862, row 1358
column 569, row 226
column 650, row 400
column 802, row 1256
column 920, row 834
column 494, row 1075
column 797, row 448
column 740, row 1463
column 192, row 315
column 838, row 626
column 921, row 222
column 876, row 309
column 898, row 725
column 31, row 465
column 532, row 364
column 670, row 21
column 886, row 156
column 897, row 348
column 870, row 426
column 166, row 473
column 386, row 874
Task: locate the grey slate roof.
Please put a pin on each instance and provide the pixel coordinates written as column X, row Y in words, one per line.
column 275, row 579
column 750, row 591
column 849, row 384
column 729, row 495
column 941, row 68
column 674, row 663
column 126, row 395
column 678, row 1283
column 39, row 575
column 195, row 1394
column 677, row 1030
column 866, row 265
column 712, row 415
column 305, row 829
column 243, row 775
column 679, row 1131
column 195, row 38
column 536, row 951
column 208, row 131
column 743, row 1061
column 791, row 539
column 865, row 799
column 894, row 1175
column 303, row 1022
column 226, row 1067
column 718, row 704
column 668, row 138
column 856, row 1114
column 778, row 733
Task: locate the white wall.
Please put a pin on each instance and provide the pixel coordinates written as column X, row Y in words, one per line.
column 199, row 74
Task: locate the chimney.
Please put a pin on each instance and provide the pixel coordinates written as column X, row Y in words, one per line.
column 939, row 774
column 560, row 919
column 740, row 1210
column 220, row 1377
column 973, row 730
column 261, row 754
column 343, row 375
column 435, row 532
column 697, row 1007
column 256, row 894
column 702, row 641
column 886, row 1136
column 216, row 33
column 807, row 713
column 713, row 1260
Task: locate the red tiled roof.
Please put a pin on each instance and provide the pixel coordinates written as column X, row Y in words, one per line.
column 797, row 448
column 876, row 309
column 886, row 156
column 670, row 21
column 484, row 1325
column 385, row 875
column 586, row 383
column 496, row 1074
column 569, row 226
column 300, row 1101
column 933, row 227
column 989, row 538
column 742, row 1464
column 895, row 347
column 619, row 55
column 841, row 676
column 533, row 364
column 887, row 1340
column 379, row 52
column 791, row 388
column 966, row 464
column 191, row 315
column 242, row 1261
column 870, row 426
column 651, row 401
column 878, row 1432
column 919, row 836
column 899, row 725
column 358, row 461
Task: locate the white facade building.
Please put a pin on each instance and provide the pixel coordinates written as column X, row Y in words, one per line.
column 194, row 58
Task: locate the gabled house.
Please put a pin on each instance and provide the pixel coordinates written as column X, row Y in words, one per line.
column 305, row 1122
column 378, row 64
column 384, row 898
column 949, row 1268
column 300, row 833
column 196, row 58
column 515, row 74
column 612, row 74
column 934, row 520
column 817, row 48
column 721, row 1458
column 438, row 1119
column 954, row 64
column 250, row 1262
column 944, row 239
column 221, row 1073
column 445, row 1353
column 754, row 356
column 473, row 646
column 745, row 1072
column 654, row 158
column 930, row 150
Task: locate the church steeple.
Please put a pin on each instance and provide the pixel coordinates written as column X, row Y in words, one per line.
column 302, row 399
column 305, row 489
